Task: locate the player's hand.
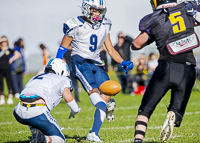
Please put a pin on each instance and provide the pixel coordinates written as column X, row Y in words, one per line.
column 72, row 114
column 190, row 9
column 127, row 65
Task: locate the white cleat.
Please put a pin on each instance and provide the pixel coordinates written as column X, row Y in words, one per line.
column 93, row 137
column 110, row 107
column 10, row 101
column 168, row 126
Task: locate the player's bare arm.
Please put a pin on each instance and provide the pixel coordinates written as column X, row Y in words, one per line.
column 140, row 41
column 111, row 51
column 66, row 41
column 65, row 44
column 67, row 95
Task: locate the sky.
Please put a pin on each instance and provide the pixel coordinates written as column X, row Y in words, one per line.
column 41, row 21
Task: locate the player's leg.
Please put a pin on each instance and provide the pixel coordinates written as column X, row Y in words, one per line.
column 155, row 91
column 101, row 76
column 39, row 119
column 84, row 72
column 183, row 81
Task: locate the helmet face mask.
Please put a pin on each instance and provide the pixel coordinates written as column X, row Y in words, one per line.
column 98, row 5
column 58, row 67
column 158, row 4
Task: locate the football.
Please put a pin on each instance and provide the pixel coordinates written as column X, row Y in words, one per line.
column 110, row 87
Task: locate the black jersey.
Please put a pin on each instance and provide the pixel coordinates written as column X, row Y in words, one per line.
column 169, row 25
column 4, row 58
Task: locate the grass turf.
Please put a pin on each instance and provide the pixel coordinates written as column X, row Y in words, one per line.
column 121, row 130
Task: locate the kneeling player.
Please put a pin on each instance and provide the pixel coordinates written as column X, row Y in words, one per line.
column 41, row 94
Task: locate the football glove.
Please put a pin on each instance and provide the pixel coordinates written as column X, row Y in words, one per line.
column 72, row 113
column 127, row 65
column 190, row 9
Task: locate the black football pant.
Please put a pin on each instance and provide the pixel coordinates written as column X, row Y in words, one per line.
column 168, row 75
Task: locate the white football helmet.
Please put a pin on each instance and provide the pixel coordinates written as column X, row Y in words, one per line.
column 57, row 66
column 96, row 4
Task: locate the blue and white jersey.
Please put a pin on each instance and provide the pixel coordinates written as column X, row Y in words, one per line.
column 87, row 38
column 49, row 86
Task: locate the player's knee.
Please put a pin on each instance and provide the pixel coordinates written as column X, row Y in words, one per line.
column 57, row 139
column 144, row 113
column 94, row 90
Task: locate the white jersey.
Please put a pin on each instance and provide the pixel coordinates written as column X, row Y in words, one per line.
column 49, row 86
column 87, row 38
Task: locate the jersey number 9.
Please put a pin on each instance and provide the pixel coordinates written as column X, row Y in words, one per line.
column 93, row 42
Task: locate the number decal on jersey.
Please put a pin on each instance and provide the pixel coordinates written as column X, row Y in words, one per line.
column 178, row 22
column 93, row 42
column 40, row 76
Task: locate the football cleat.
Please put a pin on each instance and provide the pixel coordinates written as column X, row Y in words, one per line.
column 168, row 126
column 93, row 137
column 37, row 136
column 110, row 107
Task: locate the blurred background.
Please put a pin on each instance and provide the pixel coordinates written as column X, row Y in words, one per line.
column 41, row 21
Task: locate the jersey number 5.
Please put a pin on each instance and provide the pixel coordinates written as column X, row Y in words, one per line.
column 177, row 21
column 93, row 42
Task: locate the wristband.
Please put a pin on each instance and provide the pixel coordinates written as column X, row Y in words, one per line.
column 133, row 47
column 61, row 52
column 73, row 106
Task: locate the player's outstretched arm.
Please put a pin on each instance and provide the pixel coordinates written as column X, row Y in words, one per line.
column 64, row 46
column 126, row 65
column 67, row 95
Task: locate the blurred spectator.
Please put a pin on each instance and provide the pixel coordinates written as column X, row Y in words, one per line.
column 136, row 82
column 5, row 70
column 103, row 55
column 152, row 63
column 22, row 51
column 197, row 57
column 46, row 57
column 67, row 58
column 17, row 68
column 123, row 48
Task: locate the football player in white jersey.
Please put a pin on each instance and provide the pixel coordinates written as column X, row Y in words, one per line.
column 40, row 95
column 86, row 34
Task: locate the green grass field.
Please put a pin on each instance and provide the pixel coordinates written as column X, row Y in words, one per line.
column 121, row 130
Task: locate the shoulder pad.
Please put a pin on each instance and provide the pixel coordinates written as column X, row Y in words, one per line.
column 146, row 22
column 107, row 21
column 72, row 24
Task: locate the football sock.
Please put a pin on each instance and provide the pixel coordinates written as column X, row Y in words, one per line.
column 97, row 101
column 100, row 112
